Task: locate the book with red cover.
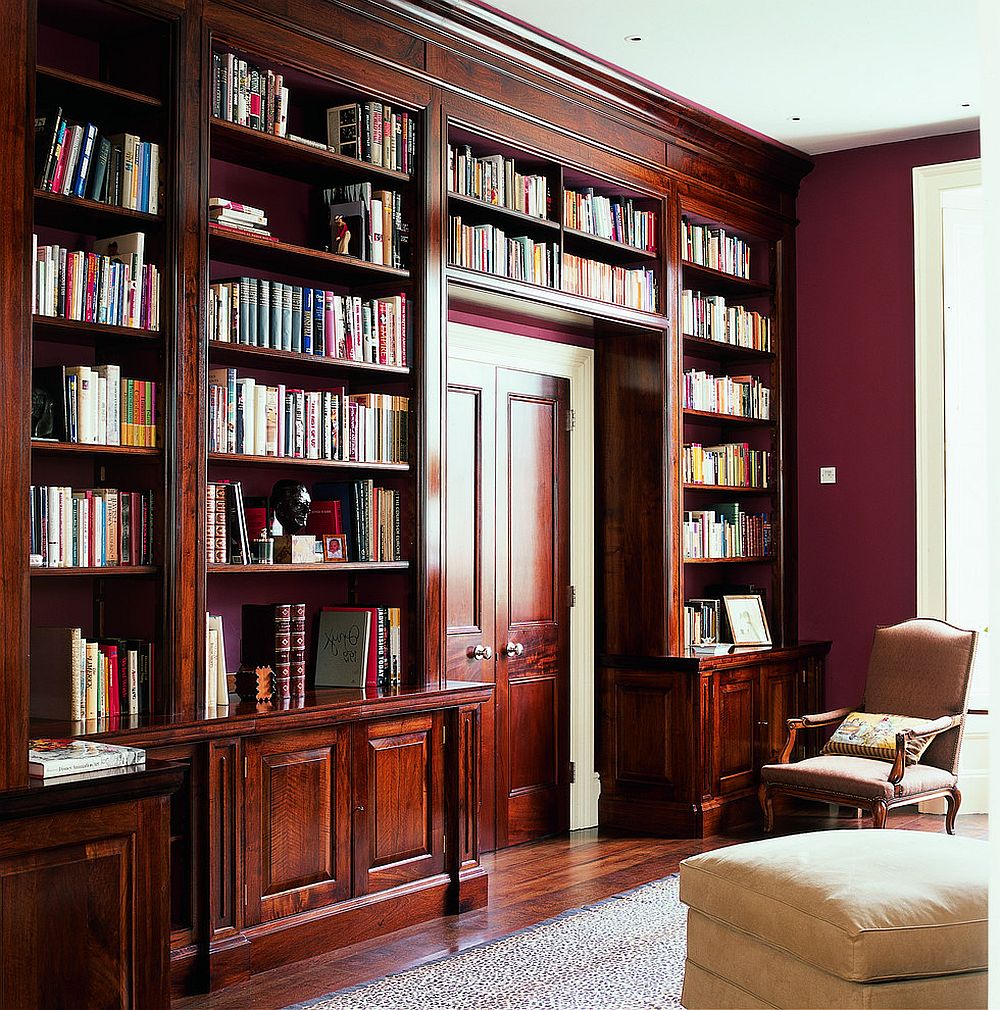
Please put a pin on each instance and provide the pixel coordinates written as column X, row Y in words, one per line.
column 324, row 518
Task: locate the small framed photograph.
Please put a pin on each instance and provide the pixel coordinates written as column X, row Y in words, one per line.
column 334, row 546
column 747, row 620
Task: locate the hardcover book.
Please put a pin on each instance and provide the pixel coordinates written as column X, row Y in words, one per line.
column 48, row 758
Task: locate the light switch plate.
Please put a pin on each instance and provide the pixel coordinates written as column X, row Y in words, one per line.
column 828, row 475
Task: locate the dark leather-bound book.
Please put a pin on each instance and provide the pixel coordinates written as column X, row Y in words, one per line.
column 267, row 641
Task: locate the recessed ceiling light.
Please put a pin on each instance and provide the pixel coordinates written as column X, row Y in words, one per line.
column 633, row 38
column 795, row 119
column 965, row 105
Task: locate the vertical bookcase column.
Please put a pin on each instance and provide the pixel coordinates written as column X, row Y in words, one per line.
column 185, row 544
column 16, row 85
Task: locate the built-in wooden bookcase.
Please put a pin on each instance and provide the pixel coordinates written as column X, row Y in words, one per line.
column 286, row 177
column 730, row 324
column 99, row 64
column 559, row 227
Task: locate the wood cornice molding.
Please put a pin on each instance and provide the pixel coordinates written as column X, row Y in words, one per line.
column 471, row 29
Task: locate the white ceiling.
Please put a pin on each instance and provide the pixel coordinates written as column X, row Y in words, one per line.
column 856, row 72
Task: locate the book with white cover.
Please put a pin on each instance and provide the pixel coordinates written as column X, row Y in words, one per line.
column 49, row 758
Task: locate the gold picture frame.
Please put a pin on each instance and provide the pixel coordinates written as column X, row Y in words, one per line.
column 747, row 620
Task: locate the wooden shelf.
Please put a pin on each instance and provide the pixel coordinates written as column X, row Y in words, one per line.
column 241, row 459
column 622, row 249
column 76, row 213
column 98, row 87
column 265, row 152
column 729, row 489
column 503, row 212
column 708, row 415
column 108, row 570
column 76, row 331
column 560, row 306
column 720, row 281
column 267, row 357
column 718, row 349
column 332, row 567
column 253, row 251
column 88, row 449
column 763, row 559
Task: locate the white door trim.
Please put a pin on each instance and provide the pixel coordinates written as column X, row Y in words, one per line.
column 929, row 183
column 511, row 350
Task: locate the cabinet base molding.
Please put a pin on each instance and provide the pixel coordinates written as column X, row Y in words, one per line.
column 473, row 890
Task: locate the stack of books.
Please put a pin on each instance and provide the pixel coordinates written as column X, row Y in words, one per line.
column 76, row 679
column 709, row 318
column 611, row 217
column 726, row 531
column 373, row 132
column 714, row 247
column 733, row 464
column 53, row 758
column 486, row 248
column 248, row 95
column 702, row 622
column 495, row 180
column 368, row 515
column 239, row 217
column 733, row 395
column 635, row 288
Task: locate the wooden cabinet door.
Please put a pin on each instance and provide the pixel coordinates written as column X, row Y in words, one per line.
column 398, row 801
column 779, row 701
column 735, row 728
column 298, row 803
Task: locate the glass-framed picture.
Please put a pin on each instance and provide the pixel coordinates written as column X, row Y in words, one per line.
column 747, row 620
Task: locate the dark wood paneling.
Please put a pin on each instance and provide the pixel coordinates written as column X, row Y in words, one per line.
column 644, row 732
column 398, row 802
column 780, row 700
column 735, row 728
column 297, row 822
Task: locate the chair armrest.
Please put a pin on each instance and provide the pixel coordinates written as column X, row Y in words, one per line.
column 825, row 718
column 931, row 728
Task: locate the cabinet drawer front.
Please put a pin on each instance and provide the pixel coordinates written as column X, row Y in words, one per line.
column 298, row 810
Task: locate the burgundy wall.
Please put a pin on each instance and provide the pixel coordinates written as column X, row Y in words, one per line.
column 857, row 538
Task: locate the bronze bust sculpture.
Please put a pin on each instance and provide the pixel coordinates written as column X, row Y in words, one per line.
column 290, row 503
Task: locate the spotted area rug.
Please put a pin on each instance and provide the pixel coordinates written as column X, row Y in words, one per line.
column 626, row 951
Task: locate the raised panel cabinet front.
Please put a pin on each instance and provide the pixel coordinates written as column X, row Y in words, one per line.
column 297, row 822
column 779, row 701
column 398, row 801
column 735, row 730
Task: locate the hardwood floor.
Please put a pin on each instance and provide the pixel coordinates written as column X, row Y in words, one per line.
column 528, row 884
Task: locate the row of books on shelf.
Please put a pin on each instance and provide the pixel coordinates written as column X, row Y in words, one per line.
column 733, row 464
column 250, row 418
column 359, row 647
column 110, row 284
column 733, row 395
column 89, row 527
column 712, row 246
column 725, row 531
column 612, row 217
column 487, row 248
column 248, row 95
column 374, row 132
column 368, row 223
column 495, row 180
column 95, row 405
column 702, row 622
column 709, row 318
column 635, row 288
column 79, row 680
column 75, row 159
column 367, row 515
column 287, row 317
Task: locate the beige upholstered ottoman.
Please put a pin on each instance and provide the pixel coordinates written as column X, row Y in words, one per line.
column 837, row 919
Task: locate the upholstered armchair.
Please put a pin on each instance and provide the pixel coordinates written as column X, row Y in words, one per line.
column 920, row 668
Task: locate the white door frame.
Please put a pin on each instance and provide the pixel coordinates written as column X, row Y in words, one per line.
column 930, row 183
column 511, row 350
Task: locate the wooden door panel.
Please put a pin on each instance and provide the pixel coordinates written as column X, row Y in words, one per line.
column 532, row 573
column 531, row 502
column 779, row 693
column 534, row 718
column 398, row 792
column 297, row 822
column 736, row 729
column 470, row 552
column 87, row 889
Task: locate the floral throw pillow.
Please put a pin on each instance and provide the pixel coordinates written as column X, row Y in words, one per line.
column 873, row 735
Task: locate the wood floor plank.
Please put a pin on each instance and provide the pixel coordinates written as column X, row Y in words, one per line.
column 528, row 884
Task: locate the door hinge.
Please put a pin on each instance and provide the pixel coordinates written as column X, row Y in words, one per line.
column 444, row 843
column 444, row 733
column 246, row 766
column 246, row 895
column 571, row 596
column 572, row 772
column 570, row 419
